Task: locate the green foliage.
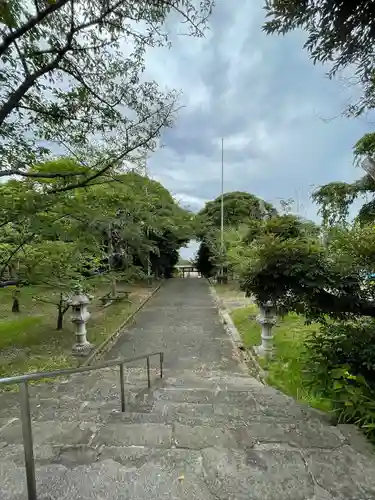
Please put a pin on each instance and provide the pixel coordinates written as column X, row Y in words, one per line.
column 19, row 331
column 30, row 341
column 204, row 261
column 67, row 81
column 285, row 370
column 338, row 31
column 344, row 343
column 289, row 264
column 365, row 146
column 239, row 207
column 240, row 210
column 109, row 227
column 54, row 262
column 336, row 198
column 341, row 367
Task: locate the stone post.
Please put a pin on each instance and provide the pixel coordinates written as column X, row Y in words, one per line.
column 80, row 316
column 267, row 319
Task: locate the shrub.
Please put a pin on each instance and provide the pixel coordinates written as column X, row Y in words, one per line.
column 341, row 367
column 345, row 343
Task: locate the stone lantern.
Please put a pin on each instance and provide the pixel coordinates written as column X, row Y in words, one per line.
column 267, row 319
column 80, row 315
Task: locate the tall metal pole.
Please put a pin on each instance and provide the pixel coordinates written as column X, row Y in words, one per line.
column 222, row 207
column 148, row 256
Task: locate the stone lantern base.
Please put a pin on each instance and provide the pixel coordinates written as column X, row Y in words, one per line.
column 82, row 349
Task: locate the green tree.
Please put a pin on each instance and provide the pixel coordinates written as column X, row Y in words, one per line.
column 71, row 76
column 107, row 225
column 294, row 267
column 239, row 208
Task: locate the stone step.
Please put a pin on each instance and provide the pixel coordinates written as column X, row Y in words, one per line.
column 168, row 402
column 106, row 480
column 204, row 396
column 265, row 471
column 194, row 429
column 266, row 401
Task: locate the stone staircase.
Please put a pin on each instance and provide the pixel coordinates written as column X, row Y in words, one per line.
column 195, row 435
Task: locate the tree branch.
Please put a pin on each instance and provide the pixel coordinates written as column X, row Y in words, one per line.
column 13, row 253
column 30, row 24
column 40, row 175
column 19, row 93
column 29, row 81
column 112, row 162
column 77, row 76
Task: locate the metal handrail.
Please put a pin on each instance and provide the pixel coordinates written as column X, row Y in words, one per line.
column 23, row 382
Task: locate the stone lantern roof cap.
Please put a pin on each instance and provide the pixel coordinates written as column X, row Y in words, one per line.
column 78, row 300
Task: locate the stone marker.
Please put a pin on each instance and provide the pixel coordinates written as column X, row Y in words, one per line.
column 267, row 320
column 80, row 316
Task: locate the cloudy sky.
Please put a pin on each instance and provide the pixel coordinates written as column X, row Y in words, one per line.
column 279, row 115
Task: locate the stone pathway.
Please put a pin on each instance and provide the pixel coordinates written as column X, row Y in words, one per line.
column 207, row 431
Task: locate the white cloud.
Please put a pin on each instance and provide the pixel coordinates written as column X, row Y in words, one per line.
column 266, row 98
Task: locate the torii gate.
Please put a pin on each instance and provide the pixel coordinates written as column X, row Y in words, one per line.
column 186, row 270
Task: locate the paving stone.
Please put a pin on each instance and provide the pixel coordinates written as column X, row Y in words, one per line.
column 343, row 473
column 257, row 475
column 311, row 434
column 75, row 456
column 356, row 439
column 188, row 409
column 134, row 434
column 53, row 433
column 108, row 480
column 203, row 437
column 178, row 459
column 12, row 481
column 134, row 417
column 42, row 454
column 196, row 396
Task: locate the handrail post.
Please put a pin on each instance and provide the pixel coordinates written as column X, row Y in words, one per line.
column 122, row 387
column 161, row 364
column 148, row 372
column 27, row 441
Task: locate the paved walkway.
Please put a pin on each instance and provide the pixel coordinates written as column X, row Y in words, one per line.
column 207, row 431
column 182, row 321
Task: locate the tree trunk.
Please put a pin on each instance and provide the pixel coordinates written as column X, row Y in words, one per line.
column 16, row 301
column 60, row 318
column 16, row 305
column 61, row 310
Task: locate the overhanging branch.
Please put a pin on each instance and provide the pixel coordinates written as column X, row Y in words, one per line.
column 30, row 24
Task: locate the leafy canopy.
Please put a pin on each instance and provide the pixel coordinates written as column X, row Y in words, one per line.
column 124, row 221
column 340, row 32
column 291, row 264
column 240, row 209
column 72, row 80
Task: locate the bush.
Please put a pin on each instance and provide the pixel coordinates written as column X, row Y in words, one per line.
column 345, row 343
column 341, row 367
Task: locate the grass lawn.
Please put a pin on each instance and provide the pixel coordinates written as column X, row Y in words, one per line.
column 29, row 340
column 285, row 370
column 230, row 289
